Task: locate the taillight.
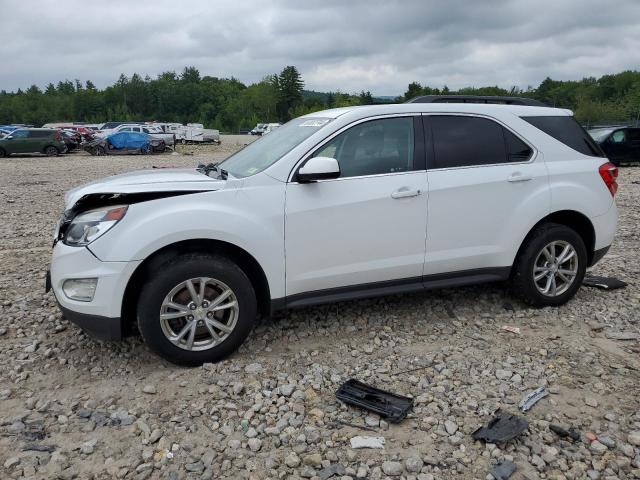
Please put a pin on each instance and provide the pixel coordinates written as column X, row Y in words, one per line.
column 609, row 173
column 57, row 136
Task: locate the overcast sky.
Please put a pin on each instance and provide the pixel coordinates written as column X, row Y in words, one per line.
column 349, row 46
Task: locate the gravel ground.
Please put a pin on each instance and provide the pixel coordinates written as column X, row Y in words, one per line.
column 72, row 407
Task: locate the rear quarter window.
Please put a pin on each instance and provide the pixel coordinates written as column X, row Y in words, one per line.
column 567, row 130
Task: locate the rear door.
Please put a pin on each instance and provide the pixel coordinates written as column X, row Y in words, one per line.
column 486, row 186
column 38, row 139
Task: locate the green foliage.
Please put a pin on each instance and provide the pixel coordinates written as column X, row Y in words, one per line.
column 610, row 98
column 289, row 84
column 228, row 104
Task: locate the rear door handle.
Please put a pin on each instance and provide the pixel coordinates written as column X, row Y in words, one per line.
column 405, row 192
column 518, row 177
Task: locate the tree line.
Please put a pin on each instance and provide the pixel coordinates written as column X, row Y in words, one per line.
column 228, row 104
column 608, row 99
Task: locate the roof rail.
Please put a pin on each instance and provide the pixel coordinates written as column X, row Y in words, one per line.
column 477, row 99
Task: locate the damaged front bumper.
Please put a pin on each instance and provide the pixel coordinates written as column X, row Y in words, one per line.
column 101, row 316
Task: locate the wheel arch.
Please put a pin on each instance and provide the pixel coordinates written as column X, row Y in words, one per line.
column 572, row 219
column 48, row 145
column 244, row 259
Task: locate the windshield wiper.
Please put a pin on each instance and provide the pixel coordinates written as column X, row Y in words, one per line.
column 212, row 167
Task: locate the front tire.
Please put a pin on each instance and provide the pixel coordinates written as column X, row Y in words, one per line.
column 196, row 308
column 550, row 267
column 2, row 153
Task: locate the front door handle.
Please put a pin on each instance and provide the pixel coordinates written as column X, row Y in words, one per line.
column 405, row 192
column 519, row 177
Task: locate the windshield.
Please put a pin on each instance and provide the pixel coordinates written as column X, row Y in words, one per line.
column 600, row 134
column 266, row 151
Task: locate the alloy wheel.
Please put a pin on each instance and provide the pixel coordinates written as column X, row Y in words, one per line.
column 199, row 313
column 555, row 268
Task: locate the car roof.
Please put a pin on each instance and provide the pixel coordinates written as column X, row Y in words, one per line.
column 474, row 108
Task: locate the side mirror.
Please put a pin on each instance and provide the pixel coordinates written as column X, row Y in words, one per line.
column 8, row 137
column 318, row 168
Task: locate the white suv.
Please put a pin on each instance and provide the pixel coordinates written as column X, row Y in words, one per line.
column 341, row 204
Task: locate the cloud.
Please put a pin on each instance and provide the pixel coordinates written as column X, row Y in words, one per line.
column 347, row 46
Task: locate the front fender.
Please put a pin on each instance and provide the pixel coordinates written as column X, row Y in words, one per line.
column 252, row 219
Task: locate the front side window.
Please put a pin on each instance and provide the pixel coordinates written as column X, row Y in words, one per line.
column 618, row 136
column 372, row 148
column 20, row 134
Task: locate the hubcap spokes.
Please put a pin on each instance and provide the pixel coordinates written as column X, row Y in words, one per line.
column 199, row 313
column 555, row 268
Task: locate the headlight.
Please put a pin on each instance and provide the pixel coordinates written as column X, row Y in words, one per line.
column 88, row 226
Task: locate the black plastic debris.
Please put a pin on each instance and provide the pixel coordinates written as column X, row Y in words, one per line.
column 501, row 428
column 36, row 447
column 532, row 398
column 331, row 470
column 503, row 470
column 388, row 405
column 564, row 433
column 605, row 283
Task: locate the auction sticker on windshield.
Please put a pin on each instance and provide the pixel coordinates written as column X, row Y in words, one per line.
column 317, row 122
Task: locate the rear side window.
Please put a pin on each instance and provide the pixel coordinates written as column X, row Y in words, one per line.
column 634, row 135
column 517, row 150
column 461, row 141
column 568, row 131
column 40, row 134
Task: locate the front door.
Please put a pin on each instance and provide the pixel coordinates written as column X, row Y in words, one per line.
column 19, row 142
column 367, row 226
column 485, row 186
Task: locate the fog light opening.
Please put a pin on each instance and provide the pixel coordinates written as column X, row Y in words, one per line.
column 80, row 289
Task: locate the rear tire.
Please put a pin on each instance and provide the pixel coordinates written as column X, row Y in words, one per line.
column 173, row 304
column 51, row 151
column 550, row 267
column 98, row 151
column 2, row 153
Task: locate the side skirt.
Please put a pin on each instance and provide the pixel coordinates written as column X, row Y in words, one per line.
column 376, row 289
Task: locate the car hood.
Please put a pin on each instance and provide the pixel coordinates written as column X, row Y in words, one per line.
column 147, row 181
